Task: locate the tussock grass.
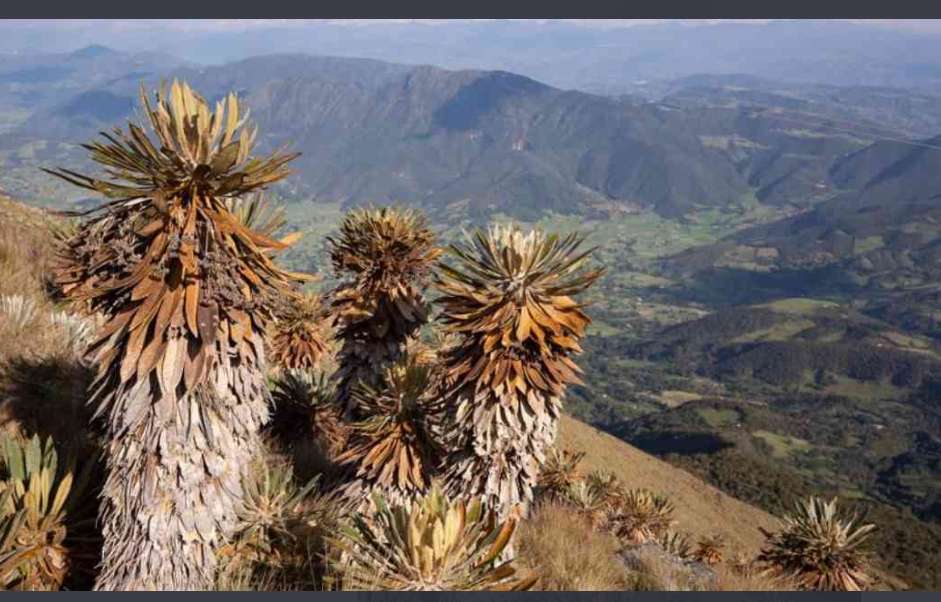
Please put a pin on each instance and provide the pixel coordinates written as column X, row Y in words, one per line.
column 568, row 553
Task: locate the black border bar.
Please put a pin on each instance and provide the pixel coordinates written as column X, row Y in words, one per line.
column 437, row 9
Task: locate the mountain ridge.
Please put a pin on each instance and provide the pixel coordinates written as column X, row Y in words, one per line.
column 371, row 131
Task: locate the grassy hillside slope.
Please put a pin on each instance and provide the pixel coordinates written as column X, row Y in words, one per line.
column 701, row 509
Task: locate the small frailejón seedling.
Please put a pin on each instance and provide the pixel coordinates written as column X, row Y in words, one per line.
column 187, row 291
column 35, row 499
column 273, row 504
column 559, row 471
column 641, row 516
column 305, row 409
column 607, row 485
column 385, row 257
column 507, row 299
column 433, row 544
column 819, row 549
column 709, row 550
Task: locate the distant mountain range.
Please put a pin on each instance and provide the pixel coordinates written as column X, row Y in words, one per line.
column 607, row 60
column 475, row 141
column 882, row 235
column 32, row 82
column 471, row 143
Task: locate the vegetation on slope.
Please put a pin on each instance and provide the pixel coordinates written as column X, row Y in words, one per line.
column 268, row 554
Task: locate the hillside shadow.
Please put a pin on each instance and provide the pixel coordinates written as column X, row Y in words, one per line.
column 46, row 397
column 480, row 97
column 682, row 443
column 731, row 286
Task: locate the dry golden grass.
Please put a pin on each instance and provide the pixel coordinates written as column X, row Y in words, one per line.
column 42, row 382
column 568, row 554
column 660, row 574
column 42, row 385
column 730, row 580
column 700, row 509
column 24, row 253
column 24, row 247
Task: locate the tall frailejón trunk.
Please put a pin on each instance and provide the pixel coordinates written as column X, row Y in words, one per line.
column 175, row 475
column 384, row 257
column 507, row 301
column 187, row 290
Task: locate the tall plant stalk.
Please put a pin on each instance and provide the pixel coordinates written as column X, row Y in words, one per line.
column 186, row 289
column 507, row 301
column 385, row 257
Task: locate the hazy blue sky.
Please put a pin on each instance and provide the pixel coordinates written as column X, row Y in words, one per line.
column 602, row 56
column 924, row 25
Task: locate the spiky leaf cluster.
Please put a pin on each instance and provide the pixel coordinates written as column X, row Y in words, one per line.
column 272, row 501
column 166, row 261
column 675, row 543
column 255, row 213
column 304, row 407
column 743, row 565
column 385, row 257
column 587, row 500
column 187, row 291
column 641, row 516
column 434, row 544
column 508, row 300
column 33, row 498
column 423, row 353
column 301, row 333
column 395, row 447
column 560, row 470
column 596, row 496
column 819, row 548
column 709, row 550
column 607, row 486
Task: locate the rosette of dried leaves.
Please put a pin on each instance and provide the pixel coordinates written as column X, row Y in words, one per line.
column 508, row 300
column 255, row 213
column 300, row 334
column 709, row 550
column 641, row 516
column 304, row 408
column 33, row 498
column 396, row 447
column 187, row 290
column 819, row 548
column 385, row 257
column 675, row 543
column 268, row 519
column 586, row 500
column 607, row 486
column 559, row 470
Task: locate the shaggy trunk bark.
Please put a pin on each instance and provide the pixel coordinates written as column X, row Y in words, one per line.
column 175, row 469
column 364, row 362
column 499, row 454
